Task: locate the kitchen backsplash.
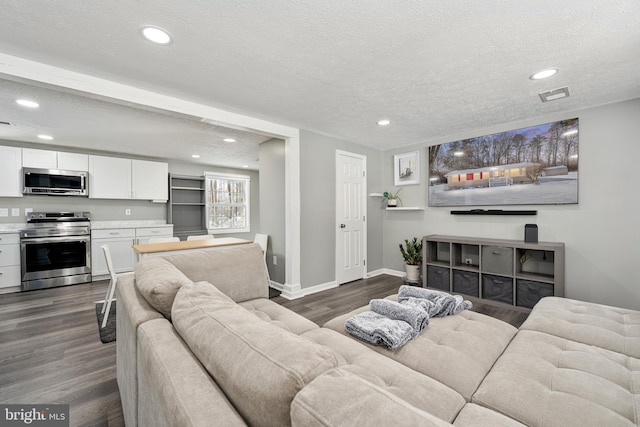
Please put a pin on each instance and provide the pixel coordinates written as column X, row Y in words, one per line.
column 100, row 209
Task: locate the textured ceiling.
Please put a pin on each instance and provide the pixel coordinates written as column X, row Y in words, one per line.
column 80, row 121
column 434, row 68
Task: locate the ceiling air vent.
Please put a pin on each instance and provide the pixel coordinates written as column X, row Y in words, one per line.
column 552, row 95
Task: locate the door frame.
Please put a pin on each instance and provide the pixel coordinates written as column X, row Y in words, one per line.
column 364, row 210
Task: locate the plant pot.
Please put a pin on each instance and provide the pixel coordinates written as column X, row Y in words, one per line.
column 392, row 203
column 413, row 272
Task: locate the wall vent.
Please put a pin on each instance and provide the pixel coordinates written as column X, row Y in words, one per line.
column 554, row 94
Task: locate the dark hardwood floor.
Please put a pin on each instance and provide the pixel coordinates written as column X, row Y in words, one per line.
column 50, row 352
column 50, row 349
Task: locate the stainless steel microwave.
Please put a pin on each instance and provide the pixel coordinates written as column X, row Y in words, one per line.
column 55, row 182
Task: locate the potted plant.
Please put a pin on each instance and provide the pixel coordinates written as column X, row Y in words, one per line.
column 412, row 254
column 392, row 198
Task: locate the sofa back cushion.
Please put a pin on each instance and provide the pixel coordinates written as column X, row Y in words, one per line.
column 259, row 366
column 238, row 271
column 158, row 281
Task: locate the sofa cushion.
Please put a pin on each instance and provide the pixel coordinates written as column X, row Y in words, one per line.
column 467, row 344
column 158, row 281
column 416, row 389
column 613, row 328
column 238, row 271
column 259, row 366
column 276, row 314
column 175, row 389
column 544, row 380
column 478, row 416
column 341, row 398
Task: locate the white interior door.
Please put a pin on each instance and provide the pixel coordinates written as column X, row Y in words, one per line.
column 351, row 228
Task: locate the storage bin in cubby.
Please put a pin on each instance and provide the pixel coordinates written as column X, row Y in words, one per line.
column 529, row 292
column 497, row 288
column 466, row 282
column 497, row 259
column 438, row 277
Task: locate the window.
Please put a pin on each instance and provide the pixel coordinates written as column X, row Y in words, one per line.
column 227, row 203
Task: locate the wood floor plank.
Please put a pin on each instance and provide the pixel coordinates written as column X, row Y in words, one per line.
column 50, row 349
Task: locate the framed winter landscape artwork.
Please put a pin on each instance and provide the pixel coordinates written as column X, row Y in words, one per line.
column 406, row 168
column 537, row 165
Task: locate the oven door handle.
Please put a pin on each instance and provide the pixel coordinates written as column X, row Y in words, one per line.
column 35, row 240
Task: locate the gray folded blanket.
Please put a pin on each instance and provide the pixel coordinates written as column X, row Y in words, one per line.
column 435, row 303
column 378, row 329
column 417, row 318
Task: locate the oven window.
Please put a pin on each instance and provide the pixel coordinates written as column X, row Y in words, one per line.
column 54, row 256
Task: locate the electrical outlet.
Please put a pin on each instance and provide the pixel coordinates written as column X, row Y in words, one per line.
column 15, row 211
column 275, row 260
column 468, row 261
column 127, row 211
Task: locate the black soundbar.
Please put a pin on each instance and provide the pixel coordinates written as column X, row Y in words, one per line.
column 493, row 212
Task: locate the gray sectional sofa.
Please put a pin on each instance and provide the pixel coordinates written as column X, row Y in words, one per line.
column 200, row 344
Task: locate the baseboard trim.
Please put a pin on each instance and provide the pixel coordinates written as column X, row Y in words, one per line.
column 291, row 292
column 396, row 273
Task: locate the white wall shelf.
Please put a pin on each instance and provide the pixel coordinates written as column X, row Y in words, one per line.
column 407, row 208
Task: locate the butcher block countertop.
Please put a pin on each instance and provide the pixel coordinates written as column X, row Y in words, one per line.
column 151, row 248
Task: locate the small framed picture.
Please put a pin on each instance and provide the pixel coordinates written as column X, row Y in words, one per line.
column 406, row 168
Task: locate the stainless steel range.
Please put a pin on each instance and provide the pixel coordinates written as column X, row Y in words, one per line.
column 55, row 250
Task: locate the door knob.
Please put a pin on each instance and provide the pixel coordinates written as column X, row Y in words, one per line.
column 342, row 226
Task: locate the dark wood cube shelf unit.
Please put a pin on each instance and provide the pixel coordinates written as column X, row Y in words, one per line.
column 493, row 270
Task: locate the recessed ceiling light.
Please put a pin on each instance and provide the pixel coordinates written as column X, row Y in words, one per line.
column 47, row 137
column 384, row 122
column 195, row 156
column 543, row 74
column 245, row 166
column 27, row 103
column 229, row 140
column 156, row 35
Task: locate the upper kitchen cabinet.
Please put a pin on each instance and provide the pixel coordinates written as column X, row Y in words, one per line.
column 109, row 177
column 149, row 180
column 10, row 176
column 46, row 159
column 118, row 178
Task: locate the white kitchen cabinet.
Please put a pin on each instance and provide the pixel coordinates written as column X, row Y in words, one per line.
column 117, row 178
column 9, row 261
column 149, row 180
column 144, row 234
column 73, row 161
column 10, row 172
column 109, row 177
column 47, row 159
column 120, row 243
column 41, row 159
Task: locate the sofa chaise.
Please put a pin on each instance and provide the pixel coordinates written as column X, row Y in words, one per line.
column 200, row 344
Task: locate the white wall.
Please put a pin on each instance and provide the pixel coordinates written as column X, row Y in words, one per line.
column 600, row 233
column 318, row 207
column 272, row 205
